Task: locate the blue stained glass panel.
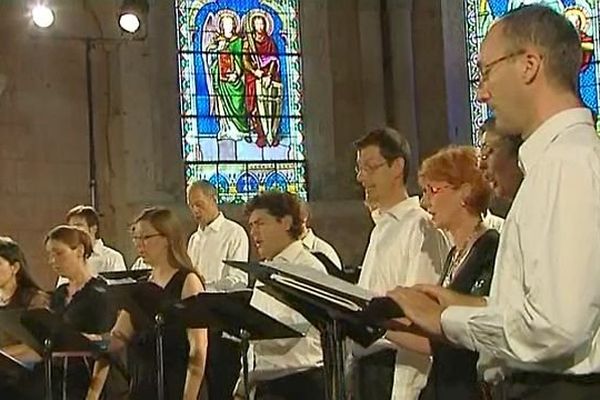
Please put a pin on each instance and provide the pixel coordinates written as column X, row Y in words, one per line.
column 240, row 79
column 584, row 14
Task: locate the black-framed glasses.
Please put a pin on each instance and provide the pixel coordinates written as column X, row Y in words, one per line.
column 144, row 238
column 368, row 169
column 483, row 71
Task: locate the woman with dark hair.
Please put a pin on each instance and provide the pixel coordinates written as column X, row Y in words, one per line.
column 83, row 302
column 456, row 195
column 17, row 288
column 17, row 291
column 159, row 240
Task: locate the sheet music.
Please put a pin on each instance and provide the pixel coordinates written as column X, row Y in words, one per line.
column 121, row 281
column 338, row 285
column 340, row 301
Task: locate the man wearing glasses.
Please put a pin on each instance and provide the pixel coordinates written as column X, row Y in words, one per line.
column 404, row 249
column 539, row 330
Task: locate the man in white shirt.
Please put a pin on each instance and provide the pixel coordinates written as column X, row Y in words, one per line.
column 284, row 368
column 103, row 258
column 404, row 249
column 314, row 243
column 540, row 327
column 217, row 239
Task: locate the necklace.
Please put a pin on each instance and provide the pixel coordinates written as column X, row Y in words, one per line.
column 459, row 255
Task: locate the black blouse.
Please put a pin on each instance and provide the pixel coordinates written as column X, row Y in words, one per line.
column 453, row 374
column 27, row 298
column 90, row 309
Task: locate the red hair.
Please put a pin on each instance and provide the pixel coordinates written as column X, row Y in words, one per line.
column 457, row 165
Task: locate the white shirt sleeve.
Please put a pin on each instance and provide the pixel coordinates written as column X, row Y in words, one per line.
column 557, row 311
column 424, row 262
column 238, row 250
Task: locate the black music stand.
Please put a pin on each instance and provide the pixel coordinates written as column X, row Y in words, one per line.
column 335, row 307
column 54, row 337
column 144, row 301
column 136, row 274
column 231, row 312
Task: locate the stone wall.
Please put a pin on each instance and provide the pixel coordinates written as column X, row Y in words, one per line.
column 354, row 81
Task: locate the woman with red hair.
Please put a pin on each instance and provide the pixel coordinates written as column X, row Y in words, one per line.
column 456, row 195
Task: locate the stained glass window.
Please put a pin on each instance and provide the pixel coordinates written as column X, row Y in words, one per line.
column 584, row 14
column 240, row 77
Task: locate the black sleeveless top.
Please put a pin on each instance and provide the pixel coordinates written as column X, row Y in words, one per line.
column 141, row 351
column 453, row 374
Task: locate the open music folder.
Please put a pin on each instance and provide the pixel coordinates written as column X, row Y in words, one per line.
column 364, row 311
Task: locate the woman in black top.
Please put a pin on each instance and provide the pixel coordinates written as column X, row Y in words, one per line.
column 159, row 240
column 17, row 291
column 83, row 302
column 456, row 194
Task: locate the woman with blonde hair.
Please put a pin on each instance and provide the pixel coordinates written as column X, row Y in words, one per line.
column 159, row 240
column 456, row 195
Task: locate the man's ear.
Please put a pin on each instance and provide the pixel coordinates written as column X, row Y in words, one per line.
column 531, row 65
column 287, row 222
column 398, row 166
column 94, row 232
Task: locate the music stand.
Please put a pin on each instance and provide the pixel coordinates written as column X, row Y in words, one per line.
column 231, row 312
column 336, row 308
column 136, row 274
column 143, row 301
column 54, row 337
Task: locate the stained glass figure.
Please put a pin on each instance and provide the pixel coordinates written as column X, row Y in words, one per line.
column 240, row 77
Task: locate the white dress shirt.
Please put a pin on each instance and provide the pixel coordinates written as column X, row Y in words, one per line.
column 139, row 264
column 315, row 244
column 543, row 313
column 280, row 357
column 102, row 259
column 222, row 239
column 492, row 221
column 404, row 249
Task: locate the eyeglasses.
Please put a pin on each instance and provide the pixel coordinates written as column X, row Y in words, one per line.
column 434, row 190
column 368, row 169
column 483, row 71
column 144, row 238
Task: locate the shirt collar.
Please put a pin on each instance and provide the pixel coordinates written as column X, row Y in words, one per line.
column 309, row 239
column 290, row 253
column 398, row 210
column 98, row 246
column 536, row 144
column 215, row 225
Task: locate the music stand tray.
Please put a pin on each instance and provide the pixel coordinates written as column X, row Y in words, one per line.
column 231, row 312
column 337, row 308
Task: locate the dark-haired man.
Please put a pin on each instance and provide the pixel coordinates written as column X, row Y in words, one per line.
column 284, row 368
column 404, row 249
column 103, row 258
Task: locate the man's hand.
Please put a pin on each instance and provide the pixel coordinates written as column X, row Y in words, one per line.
column 421, row 309
column 446, row 297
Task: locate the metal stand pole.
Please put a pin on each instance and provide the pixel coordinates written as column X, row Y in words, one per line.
column 90, row 114
column 48, row 368
column 332, row 343
column 160, row 366
column 245, row 338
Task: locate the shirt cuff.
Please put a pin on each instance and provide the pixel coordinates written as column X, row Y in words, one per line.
column 455, row 325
